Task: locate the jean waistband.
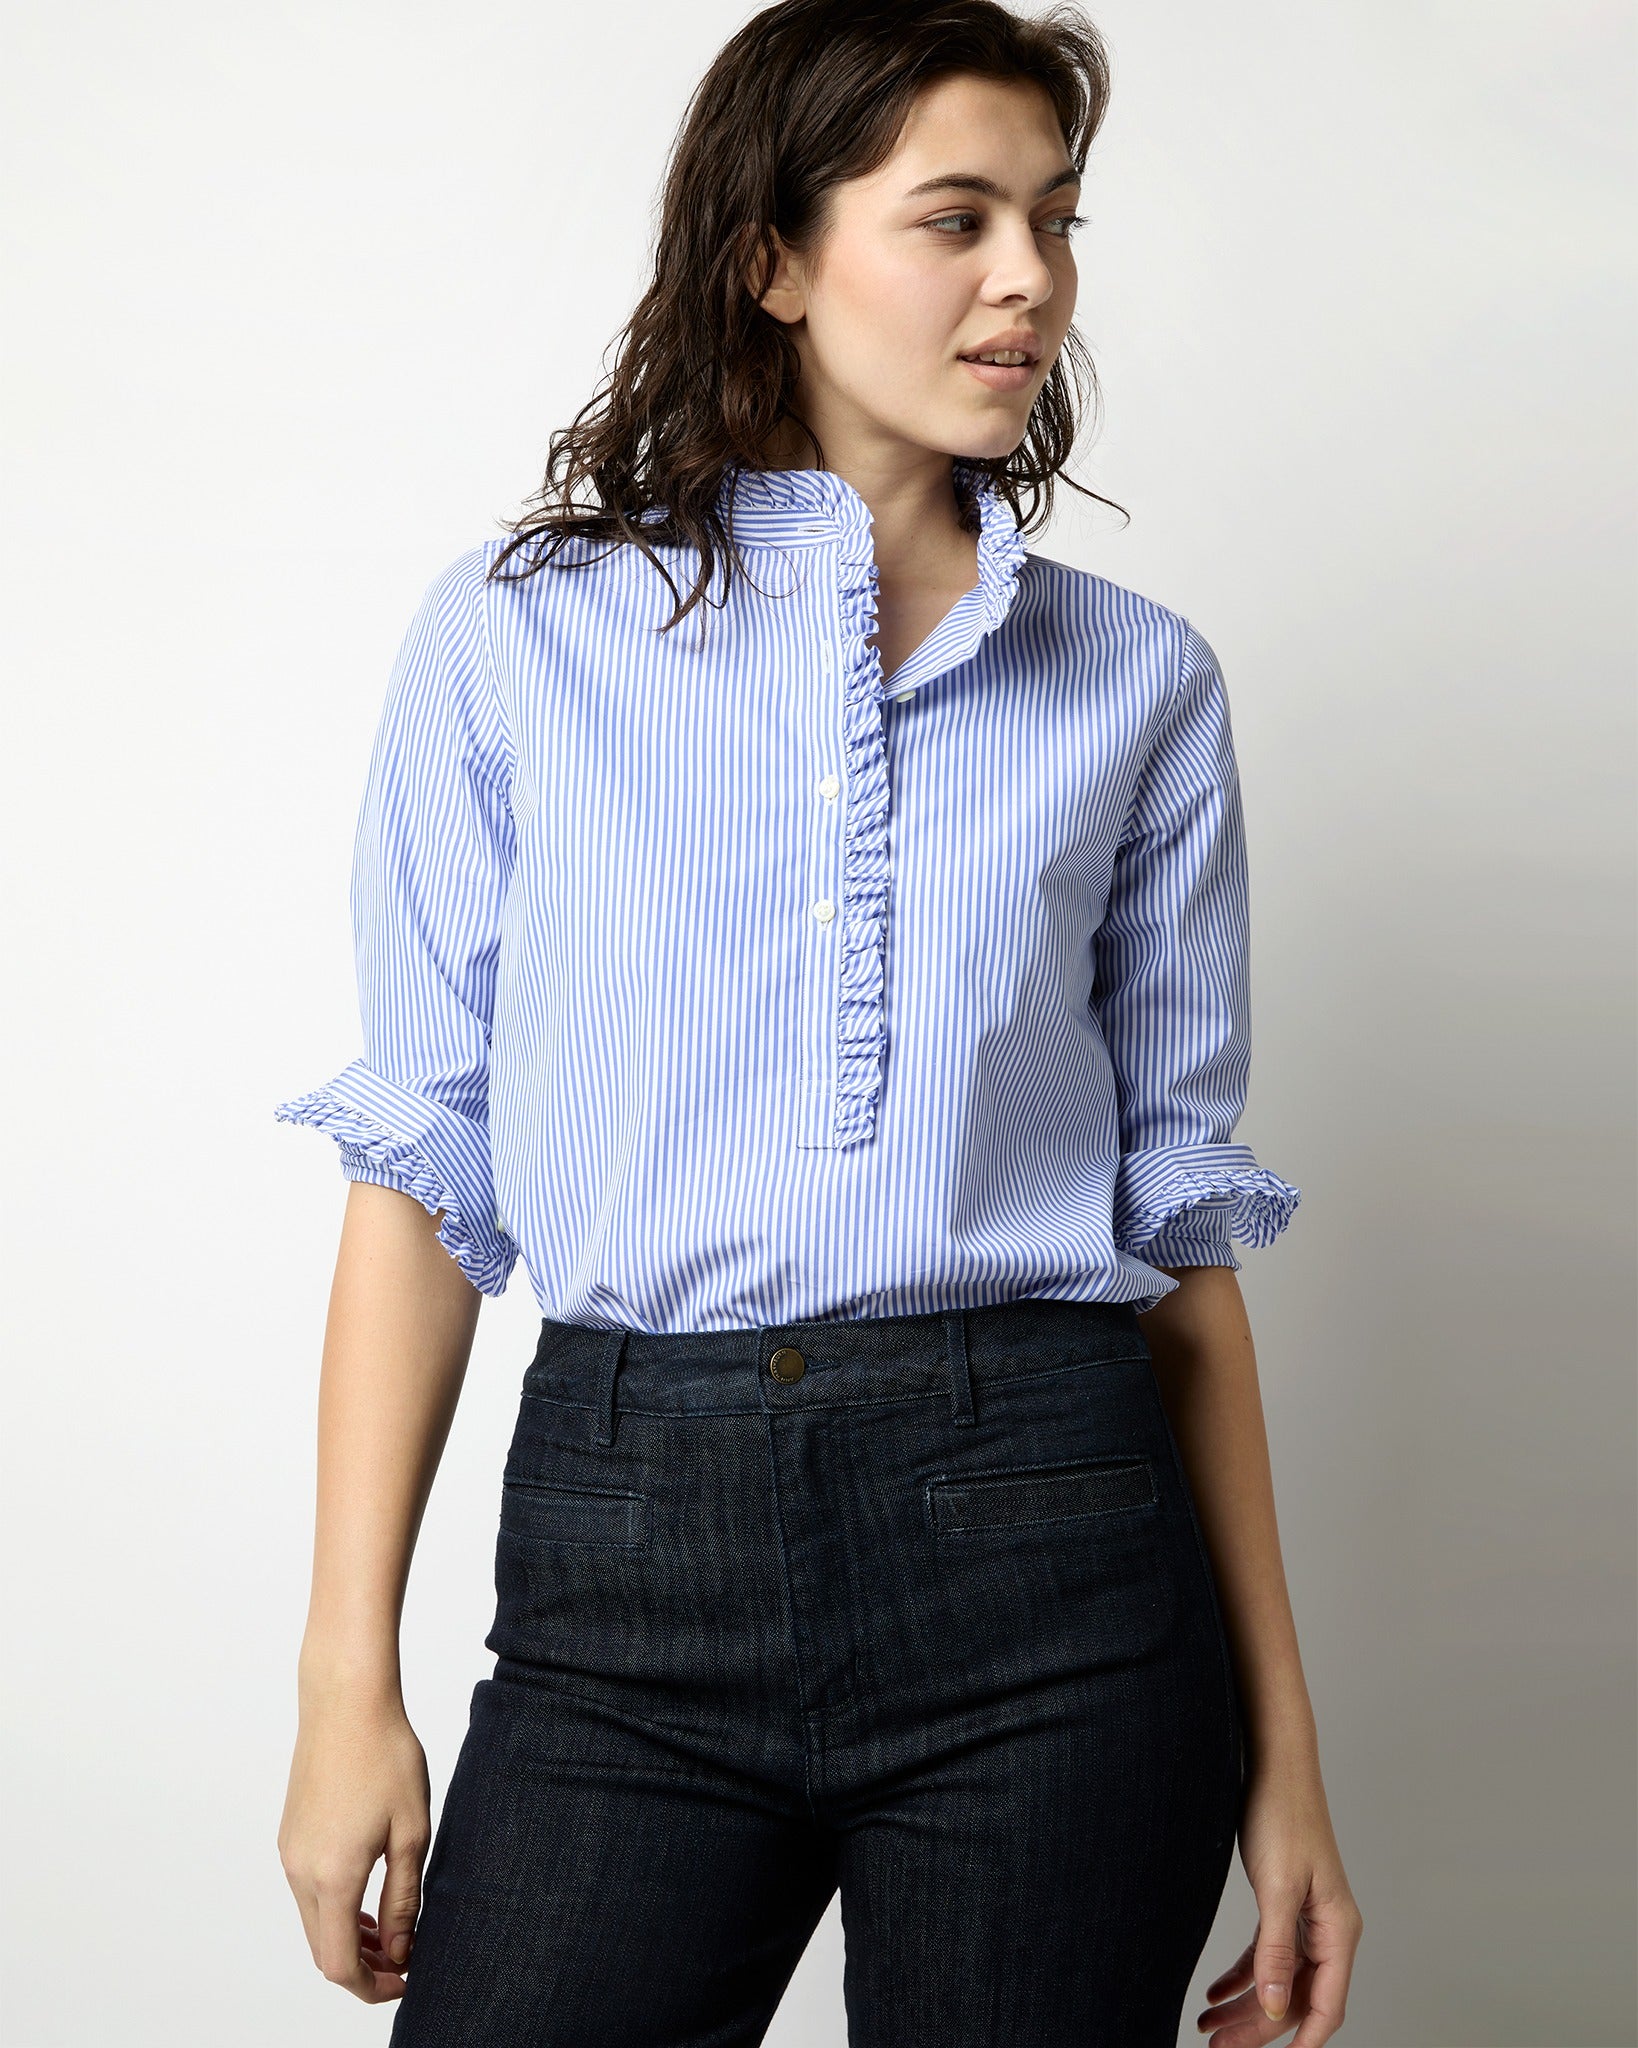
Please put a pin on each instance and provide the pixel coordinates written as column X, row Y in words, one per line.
column 826, row 1363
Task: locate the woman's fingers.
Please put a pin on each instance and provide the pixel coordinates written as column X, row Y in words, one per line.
column 1326, row 2004
column 1278, row 1948
column 342, row 1942
column 1331, row 1935
column 307, row 1906
column 1235, row 1978
column 1317, row 1977
column 369, row 1943
column 401, row 1886
column 358, row 1791
column 339, row 1951
column 1241, row 2023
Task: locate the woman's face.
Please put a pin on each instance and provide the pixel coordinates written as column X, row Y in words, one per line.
column 958, row 240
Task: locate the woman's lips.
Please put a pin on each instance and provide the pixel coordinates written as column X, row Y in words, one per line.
column 1001, row 376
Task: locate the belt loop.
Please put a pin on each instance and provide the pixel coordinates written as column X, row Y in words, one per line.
column 609, row 1365
column 961, row 1378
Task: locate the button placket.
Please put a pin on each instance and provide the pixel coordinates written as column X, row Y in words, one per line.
column 842, row 1028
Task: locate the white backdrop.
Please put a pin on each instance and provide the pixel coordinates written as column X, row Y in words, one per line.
column 293, row 297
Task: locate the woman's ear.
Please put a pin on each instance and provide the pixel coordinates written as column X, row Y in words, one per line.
column 773, row 277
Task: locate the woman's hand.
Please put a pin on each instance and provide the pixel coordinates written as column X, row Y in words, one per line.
column 358, row 1790
column 1296, row 1967
column 396, row 1344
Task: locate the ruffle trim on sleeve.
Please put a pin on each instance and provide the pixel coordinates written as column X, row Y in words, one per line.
column 432, row 1165
column 1153, row 1187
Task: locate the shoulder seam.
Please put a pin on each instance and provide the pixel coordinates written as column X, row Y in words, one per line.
column 1184, row 637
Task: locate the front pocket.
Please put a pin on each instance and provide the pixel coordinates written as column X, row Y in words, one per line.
column 574, row 1514
column 1040, row 1493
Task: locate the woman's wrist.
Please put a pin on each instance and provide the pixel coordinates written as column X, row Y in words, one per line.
column 330, row 1671
column 1282, row 1733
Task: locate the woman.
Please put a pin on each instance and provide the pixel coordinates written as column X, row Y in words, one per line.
column 832, row 983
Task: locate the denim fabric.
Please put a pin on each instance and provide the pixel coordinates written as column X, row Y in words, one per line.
column 931, row 1622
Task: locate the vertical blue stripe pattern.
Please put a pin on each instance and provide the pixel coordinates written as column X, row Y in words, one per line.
column 728, row 982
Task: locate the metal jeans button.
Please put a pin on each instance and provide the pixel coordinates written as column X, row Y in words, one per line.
column 787, row 1364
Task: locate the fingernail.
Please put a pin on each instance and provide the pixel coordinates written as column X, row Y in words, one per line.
column 1274, row 2000
column 400, row 1947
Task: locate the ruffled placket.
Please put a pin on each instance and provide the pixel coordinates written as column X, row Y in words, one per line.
column 800, row 503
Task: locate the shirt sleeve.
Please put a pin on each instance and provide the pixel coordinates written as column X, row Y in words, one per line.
column 432, row 860
column 1171, row 991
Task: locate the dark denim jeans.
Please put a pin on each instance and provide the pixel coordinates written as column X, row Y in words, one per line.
column 914, row 1606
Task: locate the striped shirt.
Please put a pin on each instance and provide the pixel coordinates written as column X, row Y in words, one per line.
column 728, row 983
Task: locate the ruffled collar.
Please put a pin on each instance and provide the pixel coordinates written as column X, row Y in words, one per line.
column 793, row 507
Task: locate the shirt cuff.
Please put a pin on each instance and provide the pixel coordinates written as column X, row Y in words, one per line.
column 392, row 1134
column 1196, row 1236
column 1170, row 1196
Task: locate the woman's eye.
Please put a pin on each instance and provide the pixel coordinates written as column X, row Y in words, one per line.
column 1063, row 224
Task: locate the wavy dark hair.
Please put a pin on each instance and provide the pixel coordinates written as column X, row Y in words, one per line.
column 808, row 94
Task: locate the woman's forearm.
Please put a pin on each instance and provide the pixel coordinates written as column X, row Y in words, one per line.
column 397, row 1339
column 1206, row 1368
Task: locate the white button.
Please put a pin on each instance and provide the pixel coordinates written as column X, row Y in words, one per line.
column 903, row 696
column 824, row 910
column 828, row 785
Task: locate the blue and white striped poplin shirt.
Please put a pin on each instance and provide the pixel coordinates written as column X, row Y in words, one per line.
column 729, row 985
